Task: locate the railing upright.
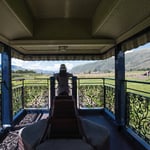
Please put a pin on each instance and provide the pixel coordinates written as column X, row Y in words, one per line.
column 17, row 95
column 104, row 92
column 52, row 89
column 74, row 88
column 22, row 93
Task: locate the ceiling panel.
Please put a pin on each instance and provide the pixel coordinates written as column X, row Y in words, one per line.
column 67, row 27
column 46, row 9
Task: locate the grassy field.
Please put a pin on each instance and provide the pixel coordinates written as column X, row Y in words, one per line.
column 133, row 76
column 94, row 79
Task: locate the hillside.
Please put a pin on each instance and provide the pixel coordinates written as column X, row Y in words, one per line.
column 135, row 60
column 16, row 68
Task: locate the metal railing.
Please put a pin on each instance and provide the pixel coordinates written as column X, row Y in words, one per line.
column 30, row 93
column 109, row 95
column 17, row 95
column 100, row 92
column 91, row 93
column 96, row 93
column 138, row 108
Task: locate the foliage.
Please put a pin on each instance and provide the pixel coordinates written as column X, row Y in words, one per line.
column 89, row 96
column 35, row 96
column 24, row 71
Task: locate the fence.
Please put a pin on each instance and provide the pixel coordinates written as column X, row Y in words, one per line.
column 30, row 93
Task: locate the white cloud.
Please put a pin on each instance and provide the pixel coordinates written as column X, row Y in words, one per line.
column 17, row 62
column 130, row 51
column 27, row 64
column 55, row 66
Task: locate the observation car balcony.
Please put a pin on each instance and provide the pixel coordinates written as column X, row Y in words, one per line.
column 75, row 30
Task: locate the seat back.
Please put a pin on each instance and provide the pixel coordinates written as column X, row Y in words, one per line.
column 64, row 118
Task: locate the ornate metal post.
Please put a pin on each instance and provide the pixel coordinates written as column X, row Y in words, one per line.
column 6, row 87
column 120, row 98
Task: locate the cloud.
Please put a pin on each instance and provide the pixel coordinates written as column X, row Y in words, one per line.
column 43, row 65
column 27, row 64
column 17, row 62
column 55, row 66
column 130, row 51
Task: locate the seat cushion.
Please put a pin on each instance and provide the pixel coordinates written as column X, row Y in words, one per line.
column 64, row 128
column 32, row 134
column 96, row 134
column 64, row 144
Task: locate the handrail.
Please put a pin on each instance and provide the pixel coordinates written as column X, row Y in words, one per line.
column 138, row 91
column 18, row 79
column 133, row 81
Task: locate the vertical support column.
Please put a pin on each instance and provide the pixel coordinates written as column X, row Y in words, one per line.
column 120, row 86
column 52, row 89
column 6, row 87
column 74, row 88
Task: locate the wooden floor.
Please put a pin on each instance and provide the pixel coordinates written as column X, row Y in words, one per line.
column 118, row 140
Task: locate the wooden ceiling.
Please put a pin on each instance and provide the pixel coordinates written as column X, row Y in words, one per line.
column 68, row 28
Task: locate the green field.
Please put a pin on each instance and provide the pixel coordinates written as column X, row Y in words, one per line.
column 90, row 79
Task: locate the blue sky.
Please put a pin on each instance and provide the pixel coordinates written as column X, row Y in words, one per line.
column 54, row 65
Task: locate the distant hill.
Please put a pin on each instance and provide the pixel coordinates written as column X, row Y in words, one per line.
column 16, row 68
column 136, row 60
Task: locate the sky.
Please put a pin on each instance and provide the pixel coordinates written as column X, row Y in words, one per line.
column 47, row 65
column 55, row 65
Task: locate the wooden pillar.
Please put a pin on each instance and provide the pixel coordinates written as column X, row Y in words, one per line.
column 120, row 98
column 6, row 87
